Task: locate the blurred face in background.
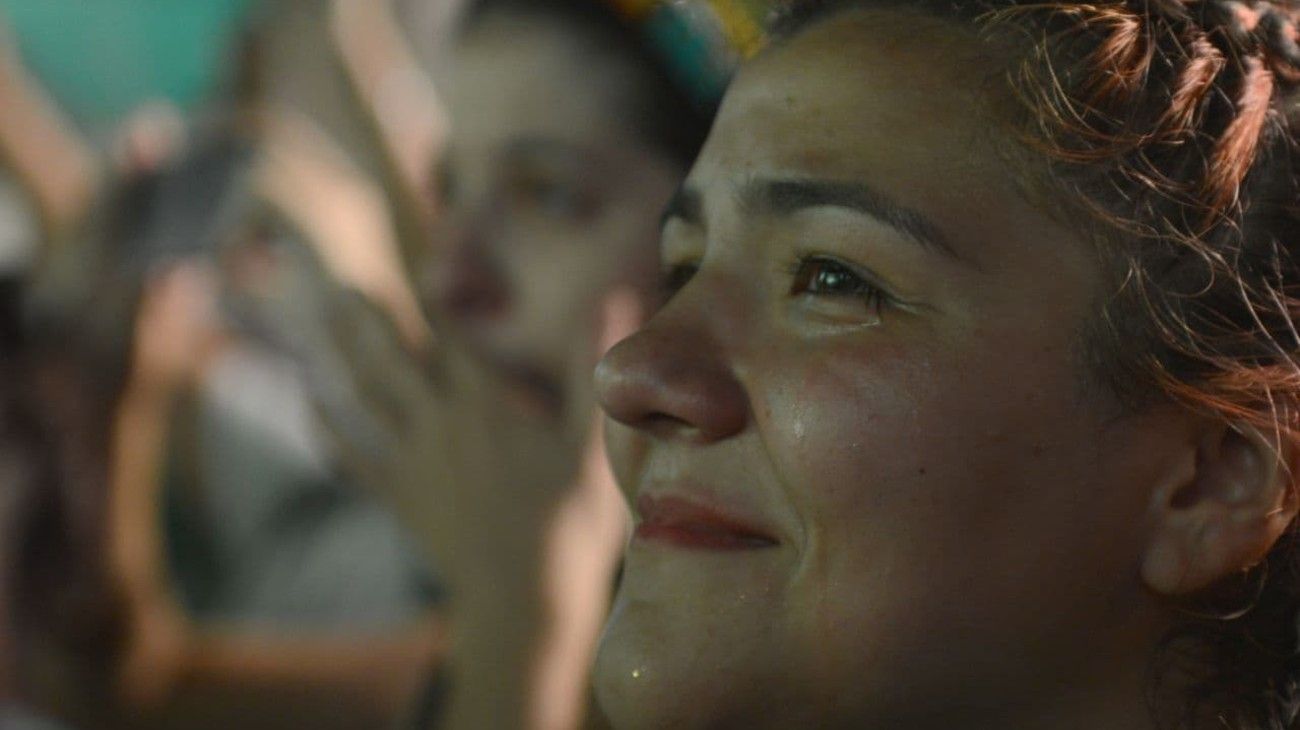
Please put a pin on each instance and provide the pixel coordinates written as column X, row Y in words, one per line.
column 551, row 196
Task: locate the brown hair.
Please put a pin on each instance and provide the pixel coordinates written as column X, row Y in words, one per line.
column 1172, row 129
column 662, row 107
column 61, row 614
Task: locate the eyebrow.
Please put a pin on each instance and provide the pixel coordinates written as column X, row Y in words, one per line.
column 785, row 197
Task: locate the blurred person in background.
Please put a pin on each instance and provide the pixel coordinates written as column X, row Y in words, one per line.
column 153, row 327
column 274, row 592
column 256, row 587
column 543, row 250
column 179, row 672
column 58, row 618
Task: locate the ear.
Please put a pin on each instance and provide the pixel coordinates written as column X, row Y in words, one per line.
column 1224, row 514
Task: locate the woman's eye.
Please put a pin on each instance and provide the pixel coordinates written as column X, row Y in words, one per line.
column 552, row 198
column 557, row 200
column 676, row 276
column 823, row 277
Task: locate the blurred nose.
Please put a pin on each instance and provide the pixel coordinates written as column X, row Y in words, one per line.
column 467, row 281
column 672, row 383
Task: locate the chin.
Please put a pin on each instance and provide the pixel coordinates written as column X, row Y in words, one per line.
column 660, row 669
column 629, row 674
column 644, row 681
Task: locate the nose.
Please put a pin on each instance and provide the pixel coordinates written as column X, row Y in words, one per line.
column 672, row 384
column 467, row 282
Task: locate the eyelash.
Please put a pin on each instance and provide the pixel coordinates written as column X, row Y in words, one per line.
column 854, row 285
column 676, row 276
column 804, row 273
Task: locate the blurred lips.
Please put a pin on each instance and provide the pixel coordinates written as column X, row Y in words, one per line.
column 693, row 525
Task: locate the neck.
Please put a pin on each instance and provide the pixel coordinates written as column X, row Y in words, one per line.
column 1108, row 688
column 1104, row 685
column 1120, row 704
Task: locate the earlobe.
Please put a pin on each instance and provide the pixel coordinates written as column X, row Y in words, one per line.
column 1221, row 510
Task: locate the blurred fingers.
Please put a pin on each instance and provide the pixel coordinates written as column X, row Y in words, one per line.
column 177, row 328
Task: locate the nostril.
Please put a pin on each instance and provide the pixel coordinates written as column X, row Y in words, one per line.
column 671, row 388
column 664, row 426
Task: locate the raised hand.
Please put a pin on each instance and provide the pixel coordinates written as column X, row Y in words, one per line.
column 517, row 505
column 176, row 328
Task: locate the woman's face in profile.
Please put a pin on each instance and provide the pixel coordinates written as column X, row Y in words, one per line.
column 876, row 483
column 540, row 217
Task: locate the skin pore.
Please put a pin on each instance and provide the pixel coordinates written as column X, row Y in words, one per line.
column 541, row 218
column 875, row 357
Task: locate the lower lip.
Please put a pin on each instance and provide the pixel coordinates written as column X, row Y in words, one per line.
column 699, row 538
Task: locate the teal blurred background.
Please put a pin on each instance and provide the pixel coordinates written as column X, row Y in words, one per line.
column 103, row 58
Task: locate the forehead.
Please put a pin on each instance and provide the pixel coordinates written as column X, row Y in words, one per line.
column 846, row 93
column 524, row 75
column 894, row 99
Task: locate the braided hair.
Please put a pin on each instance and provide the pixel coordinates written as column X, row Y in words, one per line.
column 1171, row 130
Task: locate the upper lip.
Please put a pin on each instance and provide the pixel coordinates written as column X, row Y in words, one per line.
column 701, row 515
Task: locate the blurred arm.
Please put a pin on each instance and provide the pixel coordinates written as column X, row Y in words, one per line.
column 233, row 679
column 177, row 675
column 39, row 144
column 397, row 99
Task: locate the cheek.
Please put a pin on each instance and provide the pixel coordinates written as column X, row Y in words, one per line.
column 846, row 430
column 949, row 429
column 554, row 282
column 626, row 449
column 932, row 489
